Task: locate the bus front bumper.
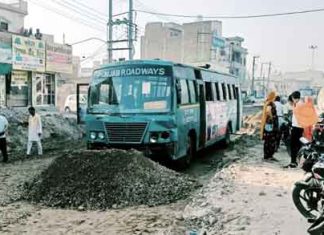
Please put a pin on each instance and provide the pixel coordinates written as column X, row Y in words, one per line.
column 149, row 150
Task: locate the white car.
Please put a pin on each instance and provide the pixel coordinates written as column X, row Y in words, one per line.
column 71, row 102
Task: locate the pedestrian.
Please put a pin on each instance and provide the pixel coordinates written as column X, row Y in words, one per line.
column 296, row 131
column 3, row 142
column 280, row 114
column 34, row 131
column 307, row 117
column 269, row 127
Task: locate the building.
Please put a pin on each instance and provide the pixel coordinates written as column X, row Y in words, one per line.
column 31, row 64
column 12, row 16
column 196, row 43
column 162, row 41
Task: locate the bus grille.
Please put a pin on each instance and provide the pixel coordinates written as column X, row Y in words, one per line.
column 126, row 132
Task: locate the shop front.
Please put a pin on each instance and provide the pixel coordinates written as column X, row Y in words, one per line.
column 28, row 60
column 29, row 69
column 5, row 65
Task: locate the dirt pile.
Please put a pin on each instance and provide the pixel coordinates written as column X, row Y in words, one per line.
column 54, row 126
column 107, row 179
column 253, row 122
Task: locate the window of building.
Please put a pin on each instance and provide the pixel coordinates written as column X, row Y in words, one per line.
column 229, row 91
column 224, row 91
column 193, row 92
column 4, row 26
column 209, row 91
column 217, row 92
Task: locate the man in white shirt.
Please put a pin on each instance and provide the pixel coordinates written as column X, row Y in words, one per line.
column 34, row 131
column 3, row 141
column 296, row 132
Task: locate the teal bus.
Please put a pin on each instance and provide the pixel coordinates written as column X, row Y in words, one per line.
column 161, row 107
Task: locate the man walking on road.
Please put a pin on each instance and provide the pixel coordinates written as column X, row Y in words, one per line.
column 3, row 141
column 34, row 131
column 296, row 131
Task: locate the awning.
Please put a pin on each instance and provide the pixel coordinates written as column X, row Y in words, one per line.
column 5, row 69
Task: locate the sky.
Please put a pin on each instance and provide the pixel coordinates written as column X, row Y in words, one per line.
column 283, row 40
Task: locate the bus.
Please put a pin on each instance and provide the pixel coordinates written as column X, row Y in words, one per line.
column 161, row 107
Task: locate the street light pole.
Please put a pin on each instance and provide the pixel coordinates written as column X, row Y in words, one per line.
column 253, row 71
column 313, row 48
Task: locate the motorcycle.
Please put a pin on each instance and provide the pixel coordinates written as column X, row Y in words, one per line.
column 308, row 194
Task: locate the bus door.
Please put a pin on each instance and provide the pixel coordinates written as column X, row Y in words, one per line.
column 202, row 102
column 81, row 101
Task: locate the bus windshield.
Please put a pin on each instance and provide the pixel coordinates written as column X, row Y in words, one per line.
column 130, row 94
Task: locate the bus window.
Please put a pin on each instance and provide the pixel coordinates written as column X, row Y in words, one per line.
column 217, row 92
column 224, row 91
column 209, row 91
column 229, row 92
column 234, row 92
column 192, row 90
column 184, row 95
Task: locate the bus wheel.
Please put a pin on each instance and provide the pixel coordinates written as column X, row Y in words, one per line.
column 185, row 161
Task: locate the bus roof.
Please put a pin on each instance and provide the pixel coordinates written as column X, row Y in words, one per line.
column 163, row 63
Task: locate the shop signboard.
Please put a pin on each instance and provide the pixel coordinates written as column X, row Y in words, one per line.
column 28, row 54
column 5, row 48
column 58, row 58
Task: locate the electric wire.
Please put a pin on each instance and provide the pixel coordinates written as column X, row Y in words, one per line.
column 235, row 17
column 73, row 18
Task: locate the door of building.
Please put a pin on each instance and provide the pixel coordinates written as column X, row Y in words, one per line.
column 44, row 89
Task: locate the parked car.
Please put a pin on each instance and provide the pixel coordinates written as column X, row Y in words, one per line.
column 71, row 103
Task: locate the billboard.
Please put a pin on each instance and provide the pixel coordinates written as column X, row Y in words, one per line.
column 5, row 48
column 28, row 54
column 58, row 58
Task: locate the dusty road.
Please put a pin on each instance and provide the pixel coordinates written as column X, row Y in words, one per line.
column 248, row 196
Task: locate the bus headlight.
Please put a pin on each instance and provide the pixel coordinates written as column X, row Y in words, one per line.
column 101, row 135
column 93, row 135
column 154, row 137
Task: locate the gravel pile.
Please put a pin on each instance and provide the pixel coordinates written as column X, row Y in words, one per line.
column 107, row 179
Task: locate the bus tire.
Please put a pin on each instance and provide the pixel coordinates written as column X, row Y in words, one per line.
column 227, row 139
column 184, row 162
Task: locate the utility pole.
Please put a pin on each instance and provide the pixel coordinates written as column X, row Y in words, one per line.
column 130, row 30
column 313, row 48
column 110, row 33
column 269, row 72
column 253, row 71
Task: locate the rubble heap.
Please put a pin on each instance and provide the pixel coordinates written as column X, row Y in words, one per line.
column 253, row 121
column 107, row 179
column 54, row 126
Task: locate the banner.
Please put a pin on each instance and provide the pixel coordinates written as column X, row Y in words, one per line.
column 5, row 48
column 28, row 54
column 19, row 78
column 58, row 58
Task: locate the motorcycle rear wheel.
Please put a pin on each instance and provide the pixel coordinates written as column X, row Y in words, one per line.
column 306, row 200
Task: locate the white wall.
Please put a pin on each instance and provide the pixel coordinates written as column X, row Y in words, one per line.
column 14, row 16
